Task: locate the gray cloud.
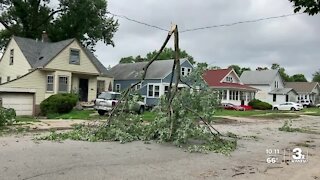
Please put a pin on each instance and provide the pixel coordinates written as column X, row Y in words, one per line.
column 293, row 42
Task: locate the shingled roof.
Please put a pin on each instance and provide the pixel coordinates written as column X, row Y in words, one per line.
column 133, row 71
column 258, row 77
column 302, row 87
column 214, row 79
column 39, row 54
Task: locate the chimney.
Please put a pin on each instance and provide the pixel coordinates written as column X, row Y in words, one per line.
column 45, row 37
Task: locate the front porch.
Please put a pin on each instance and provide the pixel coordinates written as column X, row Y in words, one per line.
column 236, row 96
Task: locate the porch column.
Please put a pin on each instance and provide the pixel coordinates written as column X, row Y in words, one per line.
column 228, row 97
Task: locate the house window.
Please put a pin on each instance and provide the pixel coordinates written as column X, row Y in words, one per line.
column 225, row 94
column 74, row 57
column 153, row 90
column 276, row 84
column 101, row 87
column 189, row 71
column 237, row 95
column 118, row 87
column 229, row 79
column 231, row 93
column 183, row 71
column 11, row 56
column 150, row 90
column 63, row 84
column 8, row 78
column 306, row 97
column 166, row 89
column 156, row 91
column 138, row 86
column 274, row 98
column 50, row 83
column 0, row 80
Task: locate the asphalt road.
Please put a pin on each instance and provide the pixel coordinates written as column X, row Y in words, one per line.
column 23, row 159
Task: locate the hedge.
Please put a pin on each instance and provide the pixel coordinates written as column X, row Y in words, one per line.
column 260, row 105
column 59, row 103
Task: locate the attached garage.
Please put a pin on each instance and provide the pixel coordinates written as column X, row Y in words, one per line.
column 21, row 100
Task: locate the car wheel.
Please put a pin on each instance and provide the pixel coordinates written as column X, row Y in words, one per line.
column 101, row 112
column 305, row 106
column 141, row 110
column 293, row 109
column 276, row 109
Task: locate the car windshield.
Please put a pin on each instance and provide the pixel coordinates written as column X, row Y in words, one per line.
column 109, row 96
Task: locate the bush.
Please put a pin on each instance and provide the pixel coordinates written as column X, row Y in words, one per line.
column 58, row 103
column 7, row 116
column 257, row 104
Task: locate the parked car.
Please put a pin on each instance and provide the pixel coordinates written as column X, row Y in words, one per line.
column 230, row 106
column 305, row 103
column 288, row 106
column 106, row 101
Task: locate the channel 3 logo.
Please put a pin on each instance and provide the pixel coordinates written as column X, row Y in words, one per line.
column 298, row 156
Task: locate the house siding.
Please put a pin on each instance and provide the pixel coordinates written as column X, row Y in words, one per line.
column 61, row 61
column 20, row 65
column 35, row 80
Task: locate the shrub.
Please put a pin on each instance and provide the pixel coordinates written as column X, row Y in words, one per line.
column 7, row 116
column 58, row 103
column 257, row 104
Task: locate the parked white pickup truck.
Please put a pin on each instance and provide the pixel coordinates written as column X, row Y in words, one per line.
column 106, row 101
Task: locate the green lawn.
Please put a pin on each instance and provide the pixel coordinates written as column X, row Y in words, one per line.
column 311, row 111
column 74, row 114
column 148, row 116
column 234, row 113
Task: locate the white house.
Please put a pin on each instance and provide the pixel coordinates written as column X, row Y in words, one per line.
column 231, row 89
column 306, row 90
column 271, row 86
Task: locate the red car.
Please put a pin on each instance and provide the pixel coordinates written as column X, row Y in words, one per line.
column 230, row 106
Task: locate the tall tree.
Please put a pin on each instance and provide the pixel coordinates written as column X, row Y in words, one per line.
column 282, row 72
column 316, row 76
column 261, row 68
column 239, row 70
column 167, row 53
column 298, row 78
column 85, row 20
column 131, row 59
column 310, row 7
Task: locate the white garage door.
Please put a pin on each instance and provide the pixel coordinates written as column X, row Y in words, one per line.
column 21, row 102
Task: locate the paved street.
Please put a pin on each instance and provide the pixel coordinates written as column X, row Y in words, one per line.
column 21, row 158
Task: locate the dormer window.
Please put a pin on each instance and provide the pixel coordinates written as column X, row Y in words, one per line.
column 11, row 56
column 185, row 71
column 229, row 79
column 74, row 56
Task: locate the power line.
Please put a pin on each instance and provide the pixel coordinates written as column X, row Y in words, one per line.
column 206, row 27
column 239, row 22
column 139, row 22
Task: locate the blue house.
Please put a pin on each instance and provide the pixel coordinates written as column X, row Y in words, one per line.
column 157, row 78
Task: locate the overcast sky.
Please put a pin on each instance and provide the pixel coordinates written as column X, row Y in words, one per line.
column 293, row 42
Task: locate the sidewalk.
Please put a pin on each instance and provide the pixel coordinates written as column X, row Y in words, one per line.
column 58, row 124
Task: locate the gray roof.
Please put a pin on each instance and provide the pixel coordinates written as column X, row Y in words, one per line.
column 302, row 87
column 282, row 91
column 258, row 77
column 157, row 70
column 39, row 54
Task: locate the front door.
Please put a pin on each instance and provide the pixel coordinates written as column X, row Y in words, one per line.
column 83, row 89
